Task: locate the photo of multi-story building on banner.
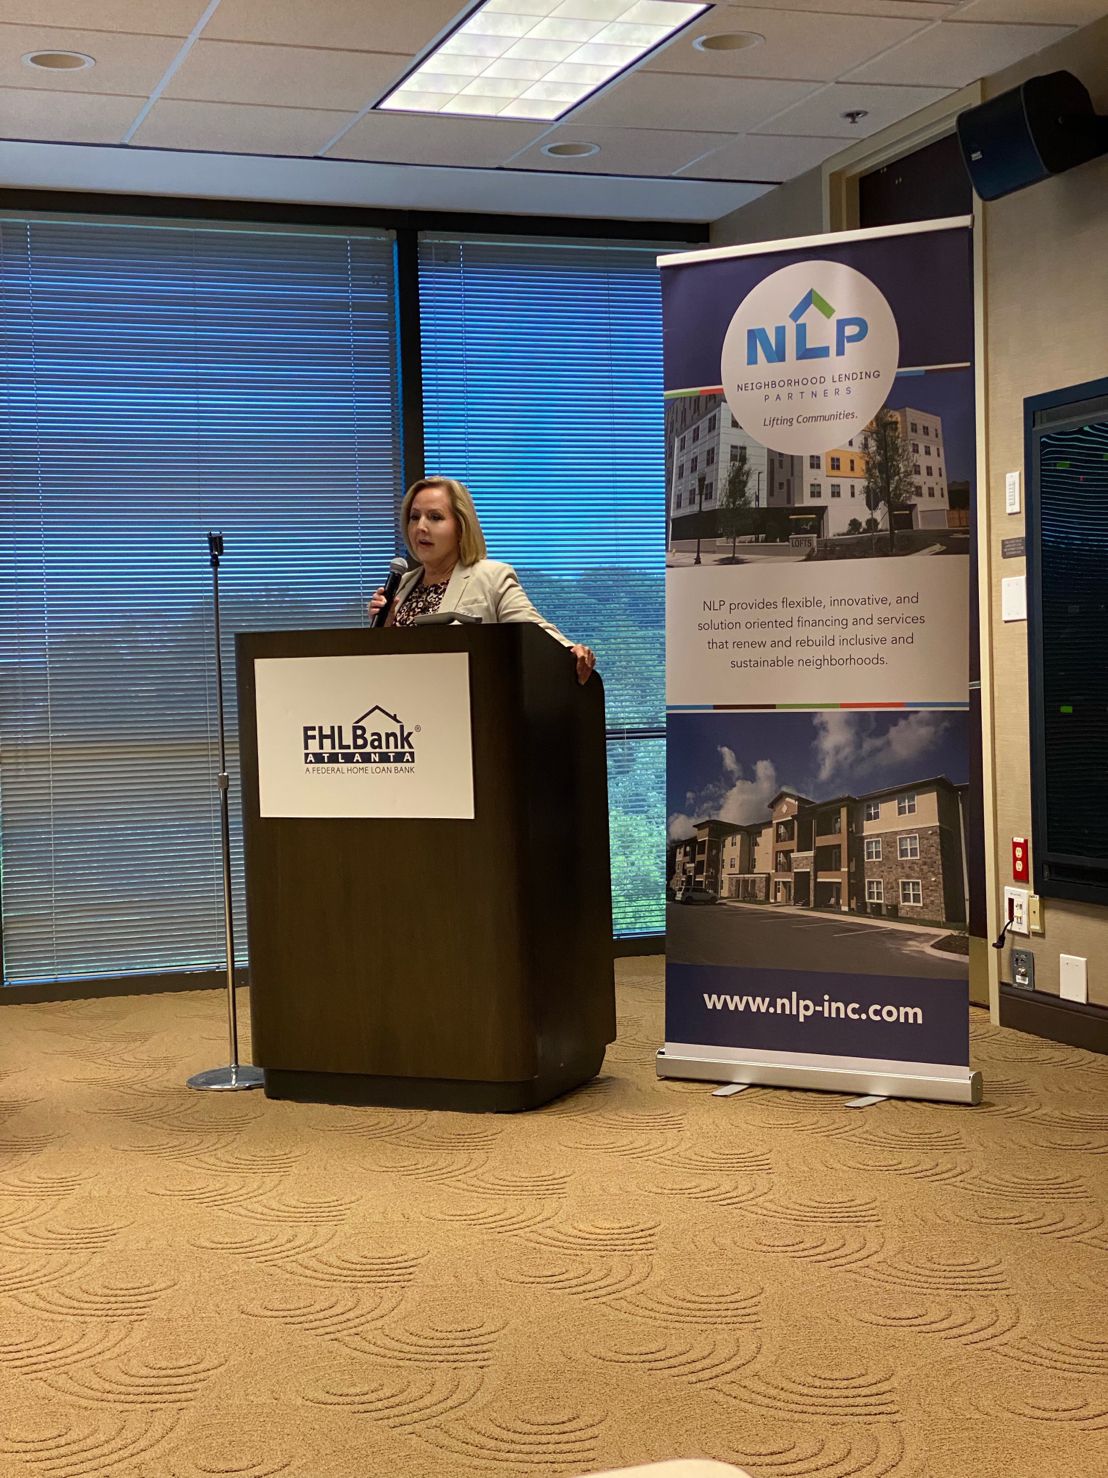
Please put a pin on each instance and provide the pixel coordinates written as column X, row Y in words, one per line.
column 823, row 492
column 922, row 431
column 706, row 443
column 896, row 853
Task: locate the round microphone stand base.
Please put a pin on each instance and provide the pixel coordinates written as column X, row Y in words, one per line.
column 234, row 1079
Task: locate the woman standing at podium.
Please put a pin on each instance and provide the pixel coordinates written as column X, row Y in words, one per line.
column 441, row 529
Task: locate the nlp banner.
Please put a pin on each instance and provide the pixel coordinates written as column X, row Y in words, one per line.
column 820, row 456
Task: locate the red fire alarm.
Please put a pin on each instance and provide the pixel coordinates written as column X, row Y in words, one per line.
column 1020, row 870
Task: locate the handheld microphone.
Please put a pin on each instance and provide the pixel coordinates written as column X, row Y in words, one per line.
column 397, row 570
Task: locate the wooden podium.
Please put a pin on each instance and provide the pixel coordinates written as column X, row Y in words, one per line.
column 430, row 961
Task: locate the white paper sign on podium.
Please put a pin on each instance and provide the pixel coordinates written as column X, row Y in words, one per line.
column 386, row 735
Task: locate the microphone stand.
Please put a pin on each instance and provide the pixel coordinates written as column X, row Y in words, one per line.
column 236, row 1076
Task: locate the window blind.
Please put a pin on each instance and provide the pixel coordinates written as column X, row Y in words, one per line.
column 159, row 381
column 542, row 382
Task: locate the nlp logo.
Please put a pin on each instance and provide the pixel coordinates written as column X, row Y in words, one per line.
column 360, row 744
column 848, row 330
column 809, row 356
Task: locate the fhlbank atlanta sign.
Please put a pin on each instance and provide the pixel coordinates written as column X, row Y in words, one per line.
column 336, row 744
column 809, row 357
column 324, row 750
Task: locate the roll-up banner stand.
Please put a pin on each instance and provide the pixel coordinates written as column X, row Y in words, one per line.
column 820, row 452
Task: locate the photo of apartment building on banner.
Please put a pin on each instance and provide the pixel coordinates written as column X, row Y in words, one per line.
column 830, row 840
column 897, row 853
column 727, row 492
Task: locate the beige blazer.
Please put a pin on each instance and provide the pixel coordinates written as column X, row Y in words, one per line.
column 489, row 589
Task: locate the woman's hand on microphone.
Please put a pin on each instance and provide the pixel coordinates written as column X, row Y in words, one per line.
column 377, row 601
column 586, row 662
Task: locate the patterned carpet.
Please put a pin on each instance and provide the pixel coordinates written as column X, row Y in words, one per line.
column 197, row 1285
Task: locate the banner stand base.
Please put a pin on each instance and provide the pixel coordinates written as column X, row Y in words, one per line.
column 960, row 1085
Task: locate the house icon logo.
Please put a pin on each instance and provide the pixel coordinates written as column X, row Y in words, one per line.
column 378, row 737
column 771, row 346
column 809, row 356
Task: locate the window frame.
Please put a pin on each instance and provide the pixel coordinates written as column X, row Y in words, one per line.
column 406, row 227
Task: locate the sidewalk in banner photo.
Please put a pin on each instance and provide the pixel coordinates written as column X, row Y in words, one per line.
column 683, row 554
column 770, row 554
column 942, row 930
column 679, row 559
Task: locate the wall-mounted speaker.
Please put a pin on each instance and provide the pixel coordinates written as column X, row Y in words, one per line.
column 1043, row 127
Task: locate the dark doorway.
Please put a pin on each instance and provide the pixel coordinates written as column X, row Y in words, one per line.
column 926, row 185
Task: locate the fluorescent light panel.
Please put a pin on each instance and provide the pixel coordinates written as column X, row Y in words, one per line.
column 536, row 59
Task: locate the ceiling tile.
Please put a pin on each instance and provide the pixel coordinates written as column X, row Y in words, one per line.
column 762, row 156
column 233, row 72
column 408, row 139
column 624, row 151
column 72, row 117
column 351, row 25
column 710, row 104
column 236, row 128
column 821, row 116
column 796, row 44
column 958, row 52
column 151, row 18
column 927, row 10
column 127, row 64
column 1046, row 12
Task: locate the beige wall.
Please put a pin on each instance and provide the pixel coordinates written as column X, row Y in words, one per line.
column 793, row 209
column 1046, row 317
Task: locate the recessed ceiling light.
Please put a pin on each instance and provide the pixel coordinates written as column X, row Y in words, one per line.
column 59, row 61
column 729, row 41
column 536, row 59
column 571, row 151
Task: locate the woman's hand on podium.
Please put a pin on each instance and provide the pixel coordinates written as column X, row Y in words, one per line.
column 586, row 662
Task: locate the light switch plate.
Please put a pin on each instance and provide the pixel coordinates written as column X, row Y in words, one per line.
column 1011, row 492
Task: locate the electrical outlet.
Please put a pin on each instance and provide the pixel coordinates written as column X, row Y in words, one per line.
column 1023, row 968
column 1015, row 910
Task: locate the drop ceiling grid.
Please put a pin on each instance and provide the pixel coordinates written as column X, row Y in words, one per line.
column 159, row 17
column 299, row 78
column 797, row 43
column 128, row 63
column 957, row 52
column 405, row 27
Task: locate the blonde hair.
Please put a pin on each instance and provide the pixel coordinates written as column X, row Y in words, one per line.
column 472, row 543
